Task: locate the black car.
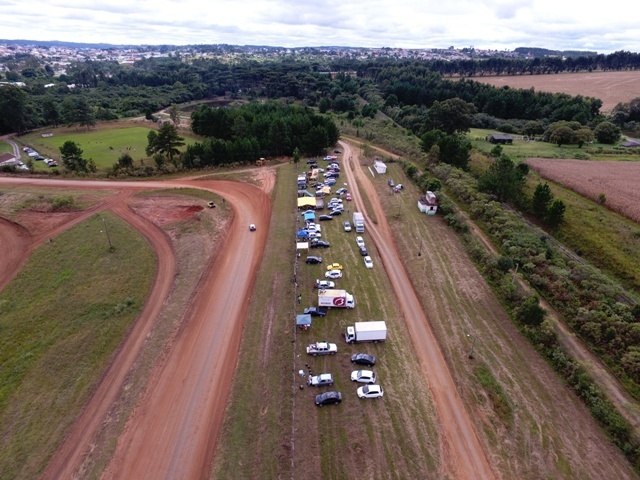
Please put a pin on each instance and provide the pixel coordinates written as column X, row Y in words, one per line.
column 335, row 212
column 363, row 251
column 317, row 243
column 325, row 217
column 313, row 260
column 316, row 311
column 328, row 398
column 363, row 359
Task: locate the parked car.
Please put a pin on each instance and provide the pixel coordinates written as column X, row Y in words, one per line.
column 363, row 251
column 333, row 274
column 360, row 242
column 330, row 182
column 368, row 262
column 328, row 398
column 316, row 243
column 370, row 391
column 336, row 212
column 313, row 260
column 347, row 226
column 341, row 191
column 252, row 227
column 323, row 218
column 363, row 376
column 335, row 266
column 317, row 312
column 321, row 380
column 323, row 284
column 347, row 197
column 363, row 359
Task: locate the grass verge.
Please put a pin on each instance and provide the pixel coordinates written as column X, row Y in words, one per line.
column 61, row 319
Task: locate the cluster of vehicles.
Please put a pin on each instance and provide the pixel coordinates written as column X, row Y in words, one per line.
column 36, row 156
column 330, row 296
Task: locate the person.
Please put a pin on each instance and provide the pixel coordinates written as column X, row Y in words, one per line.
column 299, row 298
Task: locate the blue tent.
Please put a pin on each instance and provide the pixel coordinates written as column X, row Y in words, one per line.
column 302, row 234
column 310, row 217
column 303, row 321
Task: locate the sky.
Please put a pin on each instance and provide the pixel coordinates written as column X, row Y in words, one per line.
column 604, row 27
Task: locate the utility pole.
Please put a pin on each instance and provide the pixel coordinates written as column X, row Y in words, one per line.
column 473, row 344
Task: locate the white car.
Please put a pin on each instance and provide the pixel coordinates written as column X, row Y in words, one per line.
column 370, row 391
column 363, row 376
column 333, row 274
column 324, row 284
column 368, row 262
column 360, row 242
column 347, row 226
column 252, row 227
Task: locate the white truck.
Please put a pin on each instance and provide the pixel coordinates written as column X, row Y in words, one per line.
column 358, row 222
column 366, row 332
column 322, row 348
column 335, row 298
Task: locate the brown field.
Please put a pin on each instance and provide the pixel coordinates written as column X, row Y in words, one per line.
column 618, row 181
column 610, row 87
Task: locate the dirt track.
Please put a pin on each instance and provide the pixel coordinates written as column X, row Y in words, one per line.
column 463, row 455
column 192, row 396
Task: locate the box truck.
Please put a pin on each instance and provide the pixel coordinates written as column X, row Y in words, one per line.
column 358, row 222
column 335, row 298
column 366, row 332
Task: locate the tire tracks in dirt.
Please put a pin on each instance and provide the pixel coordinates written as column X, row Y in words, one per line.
column 463, row 456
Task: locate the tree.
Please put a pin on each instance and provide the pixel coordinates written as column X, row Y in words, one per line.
column 324, row 104
column 296, row 155
column 451, row 116
column 431, row 138
column 51, row 112
column 125, row 161
column 13, row 113
column 165, row 142
column 174, row 115
column 584, row 135
column 607, row 132
column 530, row 312
column 72, row 159
column 542, row 197
column 454, row 150
column 76, row 110
column 562, row 136
column 503, row 178
column 555, row 214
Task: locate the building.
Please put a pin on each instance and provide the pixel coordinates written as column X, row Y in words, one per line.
column 500, row 138
column 428, row 203
column 380, row 167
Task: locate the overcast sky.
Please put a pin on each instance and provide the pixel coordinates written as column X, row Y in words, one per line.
column 604, row 26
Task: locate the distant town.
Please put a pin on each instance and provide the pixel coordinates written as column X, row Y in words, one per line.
column 59, row 55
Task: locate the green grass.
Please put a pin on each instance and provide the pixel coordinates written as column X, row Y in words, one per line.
column 61, row 319
column 521, row 150
column 104, row 144
column 5, row 148
column 499, row 400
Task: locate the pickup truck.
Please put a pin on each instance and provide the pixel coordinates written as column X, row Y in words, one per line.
column 320, row 380
column 322, row 348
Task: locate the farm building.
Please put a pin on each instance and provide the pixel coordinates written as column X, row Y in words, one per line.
column 380, row 167
column 500, row 138
column 7, row 158
column 428, row 203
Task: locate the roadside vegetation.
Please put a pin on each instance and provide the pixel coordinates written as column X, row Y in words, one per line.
column 61, row 319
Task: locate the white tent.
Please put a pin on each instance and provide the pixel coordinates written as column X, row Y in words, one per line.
column 380, row 167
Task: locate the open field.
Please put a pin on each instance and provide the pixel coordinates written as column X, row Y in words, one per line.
column 521, row 149
column 61, row 319
column 104, row 143
column 610, row 87
column 5, row 148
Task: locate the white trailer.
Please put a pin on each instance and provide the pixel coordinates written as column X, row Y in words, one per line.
column 335, row 298
column 358, row 222
column 366, row 332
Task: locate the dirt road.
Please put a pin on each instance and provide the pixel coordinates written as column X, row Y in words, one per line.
column 173, row 432
column 463, row 455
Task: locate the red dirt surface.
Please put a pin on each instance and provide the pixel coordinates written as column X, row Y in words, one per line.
column 462, row 453
column 610, row 87
column 619, row 181
column 189, row 390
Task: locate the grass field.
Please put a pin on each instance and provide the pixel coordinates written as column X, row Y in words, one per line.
column 103, row 144
column 521, row 149
column 61, row 319
column 5, row 148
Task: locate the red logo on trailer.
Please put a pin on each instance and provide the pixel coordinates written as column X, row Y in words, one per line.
column 339, row 301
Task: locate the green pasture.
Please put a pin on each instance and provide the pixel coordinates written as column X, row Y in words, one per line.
column 521, row 149
column 104, row 144
column 5, row 148
column 61, row 319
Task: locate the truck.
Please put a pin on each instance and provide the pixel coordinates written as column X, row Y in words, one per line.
column 320, row 380
column 375, row 331
column 358, row 222
column 335, row 298
column 322, row 348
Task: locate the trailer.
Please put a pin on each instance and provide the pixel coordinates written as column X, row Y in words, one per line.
column 335, row 298
column 375, row 331
column 358, row 222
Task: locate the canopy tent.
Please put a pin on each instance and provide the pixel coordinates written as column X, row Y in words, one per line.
column 303, row 321
column 306, row 202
